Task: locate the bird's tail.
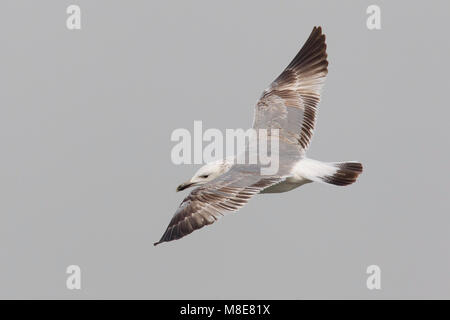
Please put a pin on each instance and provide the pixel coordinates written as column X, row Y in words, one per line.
column 337, row 173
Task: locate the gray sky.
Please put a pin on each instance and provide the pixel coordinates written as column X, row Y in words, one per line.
column 86, row 176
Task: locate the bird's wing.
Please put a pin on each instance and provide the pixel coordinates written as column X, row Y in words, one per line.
column 205, row 204
column 291, row 101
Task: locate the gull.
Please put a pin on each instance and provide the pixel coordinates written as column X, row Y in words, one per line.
column 289, row 104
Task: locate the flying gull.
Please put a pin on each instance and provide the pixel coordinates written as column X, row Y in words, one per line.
column 289, row 105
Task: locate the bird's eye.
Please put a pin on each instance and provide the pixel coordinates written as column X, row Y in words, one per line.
column 204, row 176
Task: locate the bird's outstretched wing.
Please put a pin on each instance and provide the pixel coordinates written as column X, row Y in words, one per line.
column 205, row 204
column 291, row 101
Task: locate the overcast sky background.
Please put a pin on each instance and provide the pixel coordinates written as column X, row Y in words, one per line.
column 86, row 176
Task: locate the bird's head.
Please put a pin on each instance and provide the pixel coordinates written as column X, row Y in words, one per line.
column 207, row 173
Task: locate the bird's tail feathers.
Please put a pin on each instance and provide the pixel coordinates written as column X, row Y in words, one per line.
column 337, row 173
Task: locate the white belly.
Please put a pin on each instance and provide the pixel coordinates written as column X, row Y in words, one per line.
column 287, row 185
column 304, row 171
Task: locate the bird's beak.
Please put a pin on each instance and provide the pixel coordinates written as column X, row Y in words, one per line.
column 185, row 186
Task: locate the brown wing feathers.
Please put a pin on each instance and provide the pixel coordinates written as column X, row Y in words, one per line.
column 206, row 204
column 298, row 90
column 310, row 69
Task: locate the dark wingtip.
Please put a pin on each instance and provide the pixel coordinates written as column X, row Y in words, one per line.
column 156, row 243
column 317, row 32
column 313, row 53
